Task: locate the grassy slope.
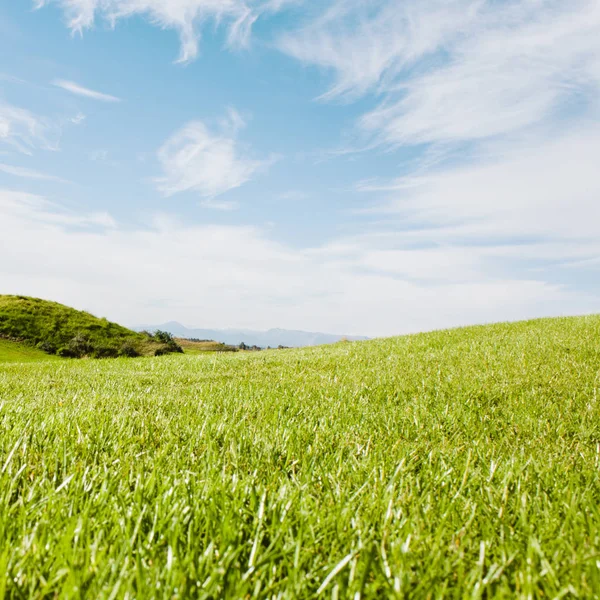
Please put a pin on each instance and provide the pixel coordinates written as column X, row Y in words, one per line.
column 32, row 321
column 191, row 347
column 15, row 352
column 458, row 464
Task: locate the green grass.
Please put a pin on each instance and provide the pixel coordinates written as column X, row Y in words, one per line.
column 15, row 352
column 53, row 327
column 191, row 347
column 456, row 464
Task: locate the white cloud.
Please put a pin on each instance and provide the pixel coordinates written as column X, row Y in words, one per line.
column 503, row 78
column 25, row 130
column 224, row 205
column 528, row 212
column 450, row 71
column 500, row 89
column 29, row 173
column 207, row 272
column 79, row 90
column 294, row 195
column 187, row 17
column 78, row 119
column 366, row 44
column 102, row 156
column 33, row 210
column 207, row 162
column 548, row 190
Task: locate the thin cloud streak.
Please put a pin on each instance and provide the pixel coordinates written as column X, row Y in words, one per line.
column 23, row 172
column 79, row 90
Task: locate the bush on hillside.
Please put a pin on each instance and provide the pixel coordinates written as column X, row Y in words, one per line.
column 80, row 345
column 66, row 352
column 170, row 348
column 166, row 338
column 129, row 350
column 47, row 347
column 163, row 336
column 105, row 352
column 227, row 348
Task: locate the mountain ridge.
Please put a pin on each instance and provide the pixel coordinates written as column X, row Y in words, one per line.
column 272, row 337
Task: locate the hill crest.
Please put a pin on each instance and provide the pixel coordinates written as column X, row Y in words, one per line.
column 70, row 333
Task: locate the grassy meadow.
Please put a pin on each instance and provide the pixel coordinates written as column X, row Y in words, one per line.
column 455, row 464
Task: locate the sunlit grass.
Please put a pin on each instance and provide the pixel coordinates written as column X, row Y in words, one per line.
column 453, row 464
column 14, row 352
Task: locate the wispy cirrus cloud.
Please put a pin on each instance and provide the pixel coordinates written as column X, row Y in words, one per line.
column 26, row 173
column 517, row 69
column 209, row 162
column 498, row 103
column 23, row 207
column 25, row 131
column 187, row 17
column 548, row 190
column 367, row 44
column 528, row 209
column 459, row 70
column 79, row 90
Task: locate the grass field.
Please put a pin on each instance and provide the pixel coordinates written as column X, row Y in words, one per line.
column 454, row 464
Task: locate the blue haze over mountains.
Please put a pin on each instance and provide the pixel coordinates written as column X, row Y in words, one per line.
column 272, row 337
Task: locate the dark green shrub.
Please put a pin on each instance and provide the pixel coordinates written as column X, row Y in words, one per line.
column 80, row 346
column 106, row 352
column 175, row 347
column 227, row 348
column 129, row 350
column 47, row 347
column 170, row 348
column 166, row 338
column 163, row 336
column 66, row 352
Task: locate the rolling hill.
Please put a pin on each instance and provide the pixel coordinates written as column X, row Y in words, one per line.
column 452, row 464
column 58, row 329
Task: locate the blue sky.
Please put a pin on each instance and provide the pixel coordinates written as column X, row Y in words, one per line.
column 363, row 167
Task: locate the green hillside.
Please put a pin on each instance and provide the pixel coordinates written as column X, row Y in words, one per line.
column 15, row 352
column 455, row 464
column 57, row 329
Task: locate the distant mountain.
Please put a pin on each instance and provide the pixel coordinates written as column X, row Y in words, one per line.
column 273, row 337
